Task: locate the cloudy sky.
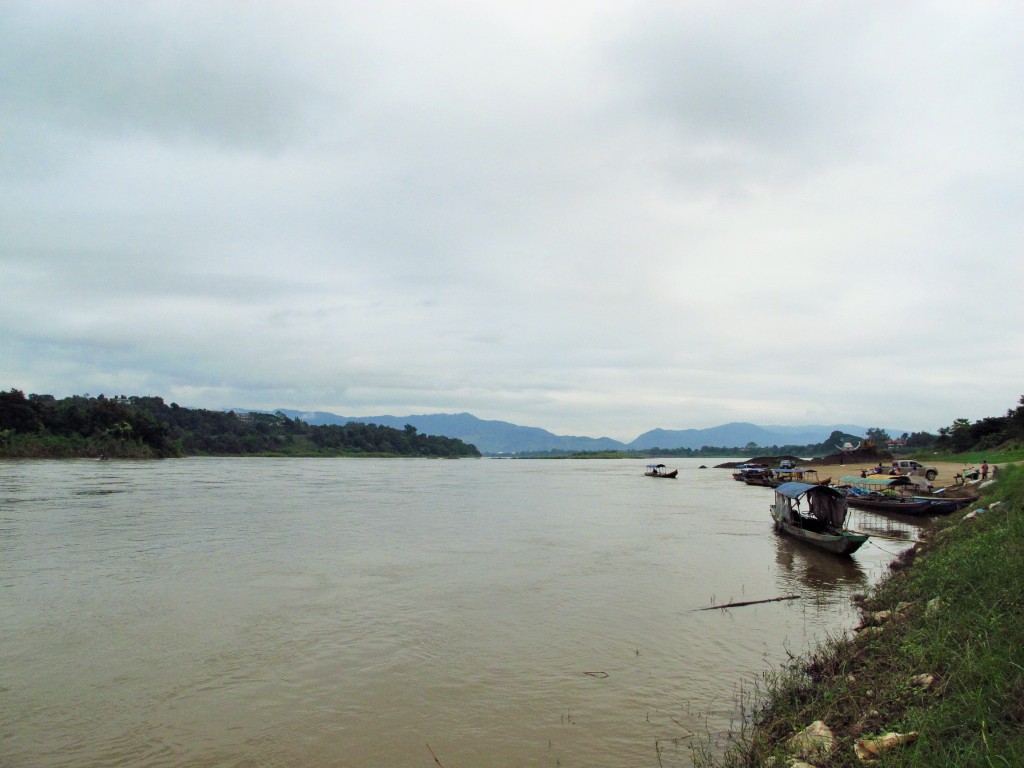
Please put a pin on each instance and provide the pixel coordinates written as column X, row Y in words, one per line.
column 593, row 217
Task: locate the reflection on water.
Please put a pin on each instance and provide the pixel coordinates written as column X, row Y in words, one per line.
column 887, row 527
column 806, row 568
column 352, row 612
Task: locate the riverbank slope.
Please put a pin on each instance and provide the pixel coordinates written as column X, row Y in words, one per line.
column 933, row 676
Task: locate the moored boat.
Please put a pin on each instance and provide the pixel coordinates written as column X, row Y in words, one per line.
column 750, row 470
column 947, row 505
column 762, row 477
column 886, row 493
column 799, row 475
column 823, row 523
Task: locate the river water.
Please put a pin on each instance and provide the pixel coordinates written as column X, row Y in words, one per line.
column 338, row 612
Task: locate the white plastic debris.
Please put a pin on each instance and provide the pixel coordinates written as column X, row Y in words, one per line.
column 869, row 749
column 923, row 681
column 816, row 740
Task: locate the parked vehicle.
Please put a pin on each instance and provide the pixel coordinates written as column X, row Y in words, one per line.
column 911, row 467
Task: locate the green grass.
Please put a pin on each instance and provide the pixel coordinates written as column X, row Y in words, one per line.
column 998, row 456
column 972, row 642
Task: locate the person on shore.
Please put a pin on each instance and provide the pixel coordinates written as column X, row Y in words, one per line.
column 984, row 470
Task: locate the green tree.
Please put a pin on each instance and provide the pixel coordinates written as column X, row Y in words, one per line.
column 878, row 435
column 18, row 413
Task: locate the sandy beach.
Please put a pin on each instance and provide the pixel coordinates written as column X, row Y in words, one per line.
column 947, row 470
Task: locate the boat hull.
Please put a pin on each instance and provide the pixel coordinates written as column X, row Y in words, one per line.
column 909, row 507
column 947, row 506
column 669, row 475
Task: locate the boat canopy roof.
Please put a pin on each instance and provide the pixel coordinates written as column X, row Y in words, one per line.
column 795, row 490
column 878, row 481
column 655, row 466
column 826, row 503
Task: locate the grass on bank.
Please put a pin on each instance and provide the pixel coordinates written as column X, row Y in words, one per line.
column 999, row 456
column 970, row 641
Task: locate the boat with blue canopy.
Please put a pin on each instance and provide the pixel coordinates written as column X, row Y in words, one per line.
column 822, row 524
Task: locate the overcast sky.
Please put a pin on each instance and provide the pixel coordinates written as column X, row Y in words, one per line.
column 594, row 217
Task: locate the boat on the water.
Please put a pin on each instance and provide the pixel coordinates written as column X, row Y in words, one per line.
column 886, row 493
column 945, row 506
column 799, row 475
column 750, row 470
column 760, row 477
column 822, row 524
column 773, row 478
column 660, row 470
column 898, row 493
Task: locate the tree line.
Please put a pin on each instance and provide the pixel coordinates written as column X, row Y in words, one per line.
column 1005, row 433
column 146, row 427
column 43, row 426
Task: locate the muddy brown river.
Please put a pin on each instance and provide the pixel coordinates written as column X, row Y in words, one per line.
column 326, row 612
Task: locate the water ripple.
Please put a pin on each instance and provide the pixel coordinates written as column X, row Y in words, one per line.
column 266, row 612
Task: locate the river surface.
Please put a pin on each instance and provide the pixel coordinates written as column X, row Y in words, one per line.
column 365, row 613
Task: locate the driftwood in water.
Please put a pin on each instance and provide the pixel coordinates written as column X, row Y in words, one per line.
column 435, row 757
column 750, row 602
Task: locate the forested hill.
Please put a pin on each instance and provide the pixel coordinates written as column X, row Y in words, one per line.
column 41, row 426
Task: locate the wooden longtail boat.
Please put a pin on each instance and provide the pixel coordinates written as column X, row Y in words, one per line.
column 885, row 493
column 822, row 525
column 895, row 493
column 660, row 470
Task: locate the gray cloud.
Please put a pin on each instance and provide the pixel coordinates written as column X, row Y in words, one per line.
column 169, row 71
column 595, row 218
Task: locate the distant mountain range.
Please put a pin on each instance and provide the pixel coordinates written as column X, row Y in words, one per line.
column 501, row 437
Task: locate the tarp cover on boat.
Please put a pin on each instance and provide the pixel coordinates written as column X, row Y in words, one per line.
column 824, row 502
column 878, row 481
